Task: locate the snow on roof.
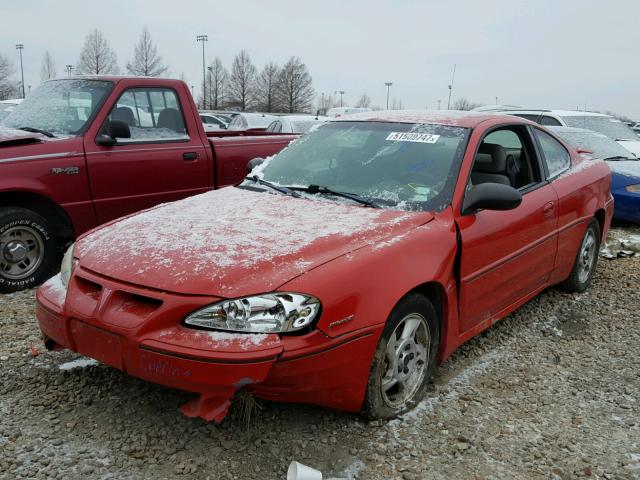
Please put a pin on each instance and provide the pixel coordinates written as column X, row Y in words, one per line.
column 560, row 113
column 442, row 117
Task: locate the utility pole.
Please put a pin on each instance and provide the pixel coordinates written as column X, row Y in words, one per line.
column 20, row 47
column 496, row 100
column 210, row 68
column 341, row 92
column 451, row 86
column 69, row 69
column 388, row 84
column 203, row 38
column 439, row 102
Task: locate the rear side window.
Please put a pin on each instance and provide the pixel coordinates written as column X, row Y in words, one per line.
column 555, row 155
column 549, row 121
column 153, row 115
column 275, row 127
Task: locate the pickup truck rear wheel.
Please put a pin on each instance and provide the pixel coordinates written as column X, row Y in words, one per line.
column 28, row 249
column 586, row 260
column 404, row 360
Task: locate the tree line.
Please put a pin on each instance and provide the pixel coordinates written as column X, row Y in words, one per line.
column 275, row 88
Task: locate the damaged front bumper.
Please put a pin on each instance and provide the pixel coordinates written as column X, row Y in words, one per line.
column 138, row 331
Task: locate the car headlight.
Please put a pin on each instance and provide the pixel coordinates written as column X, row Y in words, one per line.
column 67, row 265
column 267, row 313
column 633, row 188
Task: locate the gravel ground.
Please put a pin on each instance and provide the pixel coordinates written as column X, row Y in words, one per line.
column 552, row 391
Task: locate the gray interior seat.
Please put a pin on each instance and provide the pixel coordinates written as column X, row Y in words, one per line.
column 124, row 114
column 490, row 165
column 170, row 118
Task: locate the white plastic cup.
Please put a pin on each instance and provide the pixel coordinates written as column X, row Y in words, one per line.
column 298, row 471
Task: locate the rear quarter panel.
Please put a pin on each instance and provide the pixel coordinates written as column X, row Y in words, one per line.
column 582, row 191
column 231, row 154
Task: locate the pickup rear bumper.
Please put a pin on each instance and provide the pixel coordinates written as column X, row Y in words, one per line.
column 139, row 332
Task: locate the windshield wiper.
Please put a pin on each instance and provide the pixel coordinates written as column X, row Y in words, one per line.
column 273, row 186
column 619, row 157
column 315, row 189
column 37, row 130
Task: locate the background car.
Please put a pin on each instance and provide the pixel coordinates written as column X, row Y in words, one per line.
column 7, row 106
column 598, row 122
column 342, row 111
column 212, row 122
column 625, row 168
column 295, row 123
column 251, row 121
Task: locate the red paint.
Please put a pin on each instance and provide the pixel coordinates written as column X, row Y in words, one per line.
column 505, row 258
column 119, row 180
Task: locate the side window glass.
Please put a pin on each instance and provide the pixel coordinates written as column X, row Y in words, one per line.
column 555, row 155
column 153, row 114
column 549, row 121
column 505, row 138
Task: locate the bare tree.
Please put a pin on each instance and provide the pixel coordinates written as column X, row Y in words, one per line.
column 48, row 68
column 266, row 85
column 216, row 82
column 242, row 81
column 146, row 61
column 364, row 101
column 464, row 104
column 396, row 104
column 97, row 57
column 295, row 91
column 8, row 88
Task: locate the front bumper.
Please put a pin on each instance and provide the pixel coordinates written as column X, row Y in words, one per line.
column 139, row 331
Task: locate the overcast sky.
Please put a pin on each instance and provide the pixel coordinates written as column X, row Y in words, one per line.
column 542, row 53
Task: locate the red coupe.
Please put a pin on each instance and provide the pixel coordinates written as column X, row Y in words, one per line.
column 341, row 270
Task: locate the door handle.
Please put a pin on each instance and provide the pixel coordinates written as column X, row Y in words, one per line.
column 548, row 209
column 189, row 156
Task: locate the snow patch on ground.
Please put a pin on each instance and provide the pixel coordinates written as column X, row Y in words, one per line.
column 79, row 363
column 354, row 470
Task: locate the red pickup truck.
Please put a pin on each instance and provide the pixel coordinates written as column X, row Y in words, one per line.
column 82, row 151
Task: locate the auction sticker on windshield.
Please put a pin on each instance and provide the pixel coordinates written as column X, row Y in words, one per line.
column 413, row 137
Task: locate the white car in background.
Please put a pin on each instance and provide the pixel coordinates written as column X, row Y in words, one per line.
column 212, row 123
column 598, row 122
column 342, row 111
column 295, row 123
column 7, row 106
column 251, row 121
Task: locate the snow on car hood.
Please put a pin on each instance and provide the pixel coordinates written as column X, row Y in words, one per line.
column 11, row 136
column 632, row 145
column 628, row 168
column 234, row 242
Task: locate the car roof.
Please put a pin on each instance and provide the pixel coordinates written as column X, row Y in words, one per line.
column 557, row 128
column 560, row 113
column 442, row 117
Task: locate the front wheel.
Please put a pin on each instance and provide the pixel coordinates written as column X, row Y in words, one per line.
column 404, row 360
column 28, row 249
column 586, row 260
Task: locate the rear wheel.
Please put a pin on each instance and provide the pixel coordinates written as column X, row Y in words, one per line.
column 28, row 249
column 586, row 260
column 404, row 360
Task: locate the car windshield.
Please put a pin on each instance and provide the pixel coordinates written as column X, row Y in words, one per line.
column 61, row 107
column 395, row 165
column 609, row 126
column 601, row 145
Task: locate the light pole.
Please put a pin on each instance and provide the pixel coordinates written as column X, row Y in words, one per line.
column 388, row 84
column 439, row 102
column 210, row 68
column 29, row 89
column 453, row 75
column 69, row 69
column 203, row 38
column 341, row 92
column 20, row 47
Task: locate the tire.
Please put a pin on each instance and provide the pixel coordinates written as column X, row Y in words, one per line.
column 586, row 260
column 28, row 249
column 392, row 390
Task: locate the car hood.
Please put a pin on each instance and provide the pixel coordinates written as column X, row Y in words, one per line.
column 234, row 242
column 628, row 168
column 11, row 136
column 632, row 145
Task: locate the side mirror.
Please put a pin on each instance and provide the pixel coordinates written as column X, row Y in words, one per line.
column 491, row 196
column 114, row 129
column 251, row 164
